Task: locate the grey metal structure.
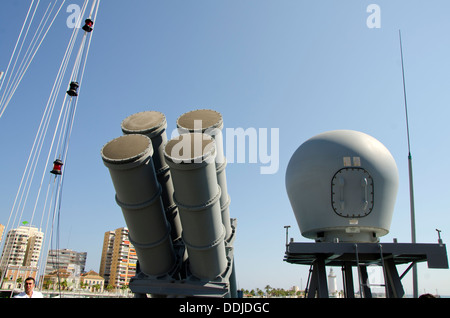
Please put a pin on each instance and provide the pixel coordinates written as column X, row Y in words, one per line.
column 138, row 193
column 188, row 193
column 342, row 186
column 153, row 124
column 361, row 255
column 197, row 195
column 210, row 122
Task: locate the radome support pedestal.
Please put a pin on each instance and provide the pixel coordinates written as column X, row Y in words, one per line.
column 361, row 255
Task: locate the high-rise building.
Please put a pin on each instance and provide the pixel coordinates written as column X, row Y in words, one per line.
column 22, row 247
column 20, row 255
column 2, row 228
column 107, row 251
column 118, row 262
column 65, row 259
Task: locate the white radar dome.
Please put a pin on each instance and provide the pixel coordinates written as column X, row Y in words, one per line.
column 342, row 186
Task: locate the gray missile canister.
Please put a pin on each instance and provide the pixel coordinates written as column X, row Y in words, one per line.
column 210, row 122
column 153, row 124
column 197, row 195
column 129, row 160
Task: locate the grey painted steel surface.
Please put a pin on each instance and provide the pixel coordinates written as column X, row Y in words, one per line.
column 361, row 255
column 197, row 195
column 138, row 193
column 193, row 182
column 210, row 122
column 180, row 288
column 187, row 284
column 342, row 186
column 335, row 253
column 153, row 124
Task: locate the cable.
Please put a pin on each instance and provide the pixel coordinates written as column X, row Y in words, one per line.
column 63, row 129
column 15, row 47
column 68, row 117
column 33, row 48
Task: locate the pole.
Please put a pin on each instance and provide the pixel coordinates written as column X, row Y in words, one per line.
column 411, row 187
column 287, row 234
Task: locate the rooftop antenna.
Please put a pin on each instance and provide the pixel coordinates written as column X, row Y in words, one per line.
column 411, row 188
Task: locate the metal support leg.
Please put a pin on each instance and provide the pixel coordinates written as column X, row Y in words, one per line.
column 308, row 281
column 318, row 281
column 348, row 280
column 387, row 286
column 365, row 282
column 312, row 288
column 393, row 279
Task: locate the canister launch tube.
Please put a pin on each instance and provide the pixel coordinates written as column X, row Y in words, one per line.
column 210, row 122
column 129, row 160
column 197, row 195
column 153, row 124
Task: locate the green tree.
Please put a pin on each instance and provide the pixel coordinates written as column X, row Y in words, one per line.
column 64, row 284
column 259, row 292
column 268, row 290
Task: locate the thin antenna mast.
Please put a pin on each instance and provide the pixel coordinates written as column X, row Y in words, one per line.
column 411, row 188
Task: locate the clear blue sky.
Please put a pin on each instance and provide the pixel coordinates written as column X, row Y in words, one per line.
column 303, row 67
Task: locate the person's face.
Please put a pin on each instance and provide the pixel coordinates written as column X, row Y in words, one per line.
column 29, row 284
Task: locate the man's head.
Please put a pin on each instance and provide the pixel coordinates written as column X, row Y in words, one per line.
column 29, row 285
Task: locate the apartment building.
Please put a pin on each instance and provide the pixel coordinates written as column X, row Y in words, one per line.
column 22, row 247
column 2, row 228
column 66, row 259
column 20, row 255
column 118, row 262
